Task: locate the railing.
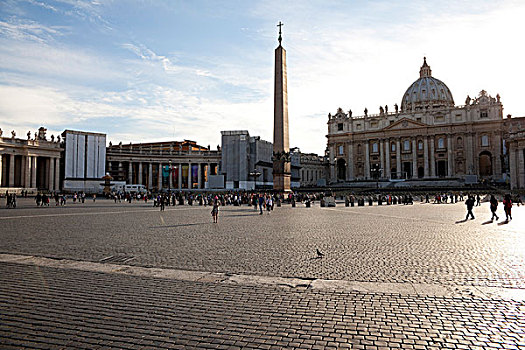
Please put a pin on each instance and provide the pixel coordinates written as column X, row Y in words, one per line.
column 22, row 142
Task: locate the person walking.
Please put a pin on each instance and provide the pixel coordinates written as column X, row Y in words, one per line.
column 215, row 211
column 478, row 200
column 261, row 203
column 162, row 203
column 493, row 207
column 470, row 205
column 507, row 206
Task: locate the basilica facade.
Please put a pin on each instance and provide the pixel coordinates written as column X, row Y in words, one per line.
column 427, row 137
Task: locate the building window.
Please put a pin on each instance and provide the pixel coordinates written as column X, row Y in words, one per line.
column 341, row 150
column 393, row 147
column 375, row 147
column 459, row 142
column 418, row 119
column 359, row 149
column 358, row 126
column 406, row 145
column 340, row 127
column 484, row 140
column 441, row 142
column 484, row 114
column 420, row 145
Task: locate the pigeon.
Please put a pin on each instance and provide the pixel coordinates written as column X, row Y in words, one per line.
column 319, row 254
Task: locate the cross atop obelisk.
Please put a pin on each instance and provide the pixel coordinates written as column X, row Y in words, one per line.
column 281, row 146
column 280, row 37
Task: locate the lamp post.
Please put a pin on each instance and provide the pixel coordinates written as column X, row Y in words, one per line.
column 255, row 174
column 376, row 173
column 169, row 176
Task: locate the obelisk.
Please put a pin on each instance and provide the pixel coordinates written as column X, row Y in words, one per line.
column 281, row 145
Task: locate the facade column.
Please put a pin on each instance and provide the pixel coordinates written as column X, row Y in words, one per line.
column 398, row 158
column 432, row 158
column 513, row 171
column 189, row 176
column 159, row 176
column 381, row 158
column 387, row 159
column 521, row 168
column 425, row 156
column 33, row 171
column 1, row 158
column 199, row 176
column 179, row 182
column 130, row 173
column 139, row 180
column 367, row 160
column 27, row 171
column 57, row 174
column 496, row 171
column 414, row 159
column 332, row 163
column 11, row 173
column 51, row 174
column 470, row 156
column 150, row 176
column 450, row 156
column 350, row 174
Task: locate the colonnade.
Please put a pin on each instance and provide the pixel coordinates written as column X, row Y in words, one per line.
column 142, row 173
column 24, row 171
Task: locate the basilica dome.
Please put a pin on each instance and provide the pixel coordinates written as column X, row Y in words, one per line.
column 426, row 92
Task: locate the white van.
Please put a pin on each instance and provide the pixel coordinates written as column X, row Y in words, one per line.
column 135, row 189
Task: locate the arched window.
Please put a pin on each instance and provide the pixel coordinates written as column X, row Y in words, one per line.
column 359, row 149
column 441, row 142
column 375, row 147
column 406, row 145
column 420, row 145
column 341, row 150
column 393, row 147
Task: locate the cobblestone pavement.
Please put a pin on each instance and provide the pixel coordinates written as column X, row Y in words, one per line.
column 420, row 243
column 52, row 308
column 44, row 307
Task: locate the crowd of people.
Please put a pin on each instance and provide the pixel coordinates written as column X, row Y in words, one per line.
column 266, row 201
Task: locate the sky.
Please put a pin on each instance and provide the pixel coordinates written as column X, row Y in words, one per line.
column 151, row 70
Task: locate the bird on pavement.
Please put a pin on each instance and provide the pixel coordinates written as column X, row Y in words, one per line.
column 319, row 254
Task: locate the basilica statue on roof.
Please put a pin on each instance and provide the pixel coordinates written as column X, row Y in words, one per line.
column 428, row 137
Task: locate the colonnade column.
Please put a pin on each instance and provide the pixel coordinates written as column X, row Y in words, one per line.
column 367, row 160
column 398, row 158
column 179, row 180
column 130, row 173
column 150, row 176
column 208, row 166
column 57, row 174
column 139, row 181
column 189, row 175
column 51, row 174
column 387, row 159
column 381, row 158
column 432, row 159
column 27, row 175
column 159, row 176
column 350, row 160
column 11, row 174
column 414, row 159
column 199, row 176
column 170, row 175
column 450, row 156
column 425, row 156
column 1, row 158
column 33, row 171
